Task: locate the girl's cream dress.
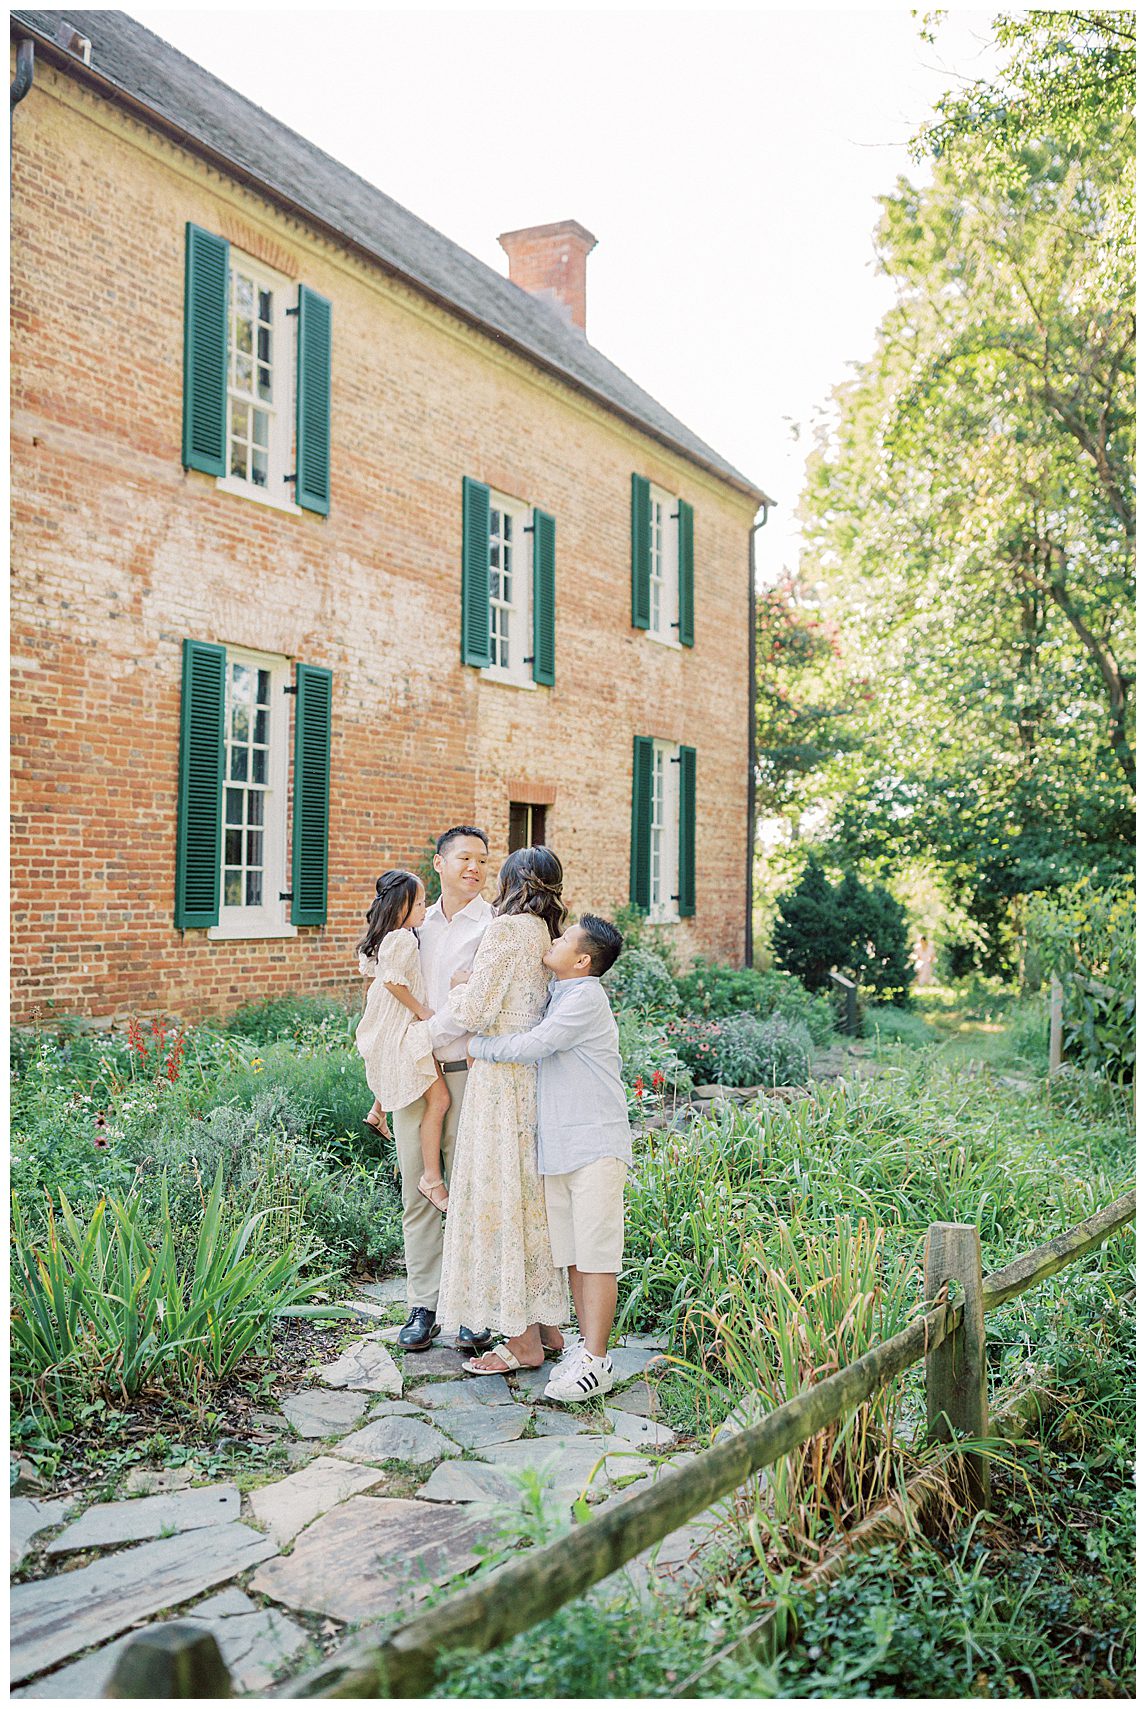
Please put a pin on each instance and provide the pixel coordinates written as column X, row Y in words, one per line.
column 398, row 1069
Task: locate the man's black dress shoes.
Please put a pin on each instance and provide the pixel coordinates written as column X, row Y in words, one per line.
column 473, row 1340
column 418, row 1331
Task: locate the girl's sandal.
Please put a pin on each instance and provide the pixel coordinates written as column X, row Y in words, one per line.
column 431, row 1188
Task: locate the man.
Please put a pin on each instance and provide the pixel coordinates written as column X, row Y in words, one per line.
column 448, row 941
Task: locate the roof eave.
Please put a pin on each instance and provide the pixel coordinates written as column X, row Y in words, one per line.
column 107, row 86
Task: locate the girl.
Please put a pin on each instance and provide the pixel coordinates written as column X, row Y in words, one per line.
column 395, row 1071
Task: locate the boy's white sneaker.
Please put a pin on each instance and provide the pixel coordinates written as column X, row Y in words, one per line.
column 570, row 1355
column 586, row 1379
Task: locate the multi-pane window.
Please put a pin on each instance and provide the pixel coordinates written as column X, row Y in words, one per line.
column 510, row 592
column 251, row 389
column 663, row 573
column 245, row 769
column 526, row 825
column 256, row 734
column 664, row 833
column 502, row 566
column 260, row 383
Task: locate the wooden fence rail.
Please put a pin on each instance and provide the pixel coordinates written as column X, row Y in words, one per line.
column 537, row 1583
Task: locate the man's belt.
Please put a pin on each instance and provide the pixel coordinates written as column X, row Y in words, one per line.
column 454, row 1067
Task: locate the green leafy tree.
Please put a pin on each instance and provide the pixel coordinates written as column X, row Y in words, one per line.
column 810, row 937
column 972, row 510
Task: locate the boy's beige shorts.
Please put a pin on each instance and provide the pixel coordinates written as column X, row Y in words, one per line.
column 586, row 1211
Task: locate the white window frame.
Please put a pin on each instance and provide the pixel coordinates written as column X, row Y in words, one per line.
column 271, row 918
column 664, row 567
column 664, row 835
column 278, row 492
column 519, row 671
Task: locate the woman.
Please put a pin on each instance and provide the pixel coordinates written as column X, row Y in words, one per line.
column 496, row 1260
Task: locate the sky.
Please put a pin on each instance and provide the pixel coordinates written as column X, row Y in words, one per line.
column 728, row 163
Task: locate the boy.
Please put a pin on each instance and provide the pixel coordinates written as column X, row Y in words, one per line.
column 583, row 1143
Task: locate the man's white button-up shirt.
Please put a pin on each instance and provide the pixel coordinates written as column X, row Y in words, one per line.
column 446, row 946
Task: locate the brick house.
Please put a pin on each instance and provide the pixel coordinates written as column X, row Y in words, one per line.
column 326, row 536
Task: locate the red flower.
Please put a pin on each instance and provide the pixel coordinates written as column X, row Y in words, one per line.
column 639, row 1086
column 658, row 1079
column 135, row 1039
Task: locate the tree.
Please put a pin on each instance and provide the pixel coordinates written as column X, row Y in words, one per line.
column 972, row 512
column 810, row 936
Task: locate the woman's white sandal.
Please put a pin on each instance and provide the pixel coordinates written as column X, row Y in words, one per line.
column 509, row 1359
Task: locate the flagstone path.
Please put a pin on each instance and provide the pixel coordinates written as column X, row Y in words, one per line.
column 402, row 1468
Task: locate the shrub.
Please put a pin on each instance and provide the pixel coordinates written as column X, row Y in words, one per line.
column 648, row 1061
column 316, row 1019
column 714, row 991
column 743, row 1050
column 639, row 979
column 857, row 929
column 1086, row 934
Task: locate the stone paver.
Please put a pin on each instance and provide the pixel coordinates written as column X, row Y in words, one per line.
column 314, row 1413
column 490, row 1390
column 371, row 1310
column 641, row 1400
column 289, row 1505
column 111, row 1522
column 548, row 1421
column 255, row 1642
column 406, row 1439
column 531, row 1383
column 396, row 1409
column 436, row 1361
column 366, row 1365
column 59, row 1616
column 371, row 1556
column 570, row 1461
column 469, row 1480
column 27, row 1517
column 631, row 1360
column 476, row 1426
column 390, row 1291
column 642, row 1432
column 159, row 1483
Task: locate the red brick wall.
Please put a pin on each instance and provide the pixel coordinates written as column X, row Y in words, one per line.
column 119, row 554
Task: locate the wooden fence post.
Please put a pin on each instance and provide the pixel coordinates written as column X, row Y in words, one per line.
column 1055, row 1025
column 177, row 1659
column 956, row 1371
column 851, row 1002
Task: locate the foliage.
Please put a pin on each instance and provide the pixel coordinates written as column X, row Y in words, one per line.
column 639, row 979
column 857, row 929
column 106, row 1308
column 970, row 511
column 291, row 1016
column 714, row 991
column 743, row 1050
column 801, row 702
column 883, row 1021
column 1086, row 934
column 650, row 1067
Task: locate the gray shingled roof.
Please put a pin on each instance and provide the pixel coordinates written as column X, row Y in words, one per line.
column 176, row 90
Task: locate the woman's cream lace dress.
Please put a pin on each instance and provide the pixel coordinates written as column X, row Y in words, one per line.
column 497, row 1268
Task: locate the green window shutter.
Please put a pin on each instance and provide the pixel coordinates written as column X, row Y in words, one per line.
column 686, row 872
column 311, row 804
column 544, row 598
column 642, row 553
column 205, row 286
column 684, row 563
column 312, row 427
column 199, row 837
column 640, row 848
column 475, row 573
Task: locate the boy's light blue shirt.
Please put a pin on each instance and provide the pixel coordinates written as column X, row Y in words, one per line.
column 581, row 1109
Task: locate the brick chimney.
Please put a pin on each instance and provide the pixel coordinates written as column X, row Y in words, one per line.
column 548, row 261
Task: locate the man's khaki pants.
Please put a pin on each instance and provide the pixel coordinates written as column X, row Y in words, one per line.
column 421, row 1223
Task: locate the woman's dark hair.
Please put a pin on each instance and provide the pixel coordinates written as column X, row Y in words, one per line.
column 395, row 891
column 530, row 883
